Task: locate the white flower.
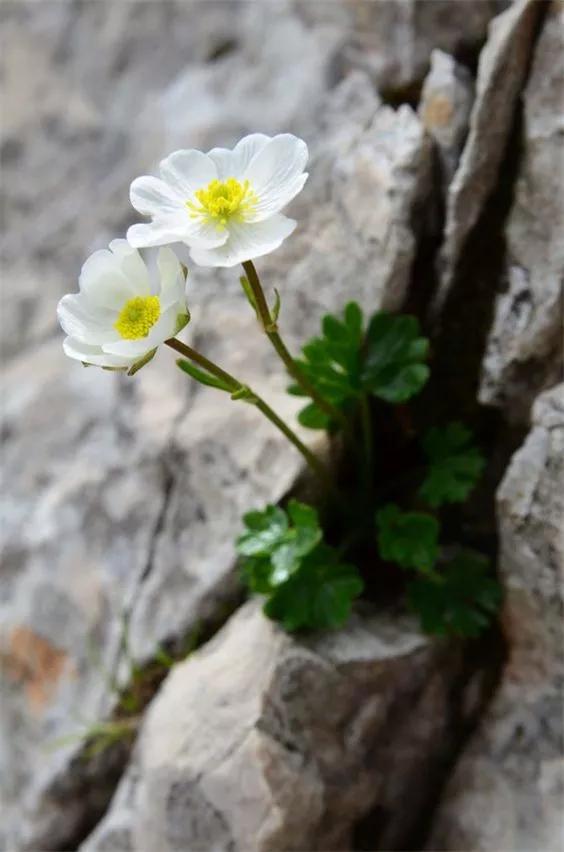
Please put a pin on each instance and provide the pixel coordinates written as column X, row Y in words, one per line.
column 121, row 313
column 224, row 204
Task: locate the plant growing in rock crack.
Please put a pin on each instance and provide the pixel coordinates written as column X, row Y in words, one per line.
column 224, row 207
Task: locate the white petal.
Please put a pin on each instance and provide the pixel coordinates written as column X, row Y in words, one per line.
column 150, row 234
column 276, row 173
column 171, row 280
column 188, row 171
column 92, row 354
column 132, row 264
column 154, row 197
column 246, row 241
column 104, row 283
column 80, row 321
column 234, row 163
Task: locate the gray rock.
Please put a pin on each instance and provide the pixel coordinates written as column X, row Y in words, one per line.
column 501, row 71
column 392, row 40
column 125, row 495
column 506, row 791
column 444, row 110
column 525, row 347
column 260, row 741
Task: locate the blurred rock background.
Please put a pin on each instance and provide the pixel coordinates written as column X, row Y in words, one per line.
column 435, row 128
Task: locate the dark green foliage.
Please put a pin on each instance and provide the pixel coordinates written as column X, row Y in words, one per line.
column 461, row 600
column 319, row 595
column 394, row 368
column 408, row 538
column 344, row 363
column 332, row 364
column 311, row 585
column 306, row 583
column 455, row 464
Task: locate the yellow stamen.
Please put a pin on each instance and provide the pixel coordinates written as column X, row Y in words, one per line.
column 222, row 201
column 137, row 317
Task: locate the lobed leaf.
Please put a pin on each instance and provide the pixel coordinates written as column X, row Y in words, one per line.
column 319, row 595
column 408, row 538
column 393, row 368
column 461, row 600
column 455, row 464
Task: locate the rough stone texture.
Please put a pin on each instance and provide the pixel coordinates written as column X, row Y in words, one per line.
column 506, row 792
column 501, row 71
column 263, row 742
column 125, row 495
column 392, row 41
column 525, row 347
column 444, row 109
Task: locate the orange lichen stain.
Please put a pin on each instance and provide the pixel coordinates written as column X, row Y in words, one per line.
column 35, row 664
column 437, row 112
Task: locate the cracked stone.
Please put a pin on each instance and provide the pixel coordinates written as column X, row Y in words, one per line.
column 525, row 351
column 501, row 72
column 260, row 741
column 506, row 790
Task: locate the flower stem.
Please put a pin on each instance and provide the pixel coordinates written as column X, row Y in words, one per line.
column 236, row 386
column 271, row 330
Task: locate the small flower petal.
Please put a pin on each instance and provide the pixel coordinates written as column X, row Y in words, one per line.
column 93, row 355
column 277, row 174
column 171, row 277
column 235, row 163
column 81, row 321
column 104, row 283
column 247, row 241
column 187, row 171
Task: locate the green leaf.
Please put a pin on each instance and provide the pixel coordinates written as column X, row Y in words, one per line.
column 201, row 376
column 408, row 538
column 280, row 541
column 313, row 418
column 461, row 600
column 265, row 532
column 455, row 464
column 247, row 289
column 319, row 595
column 393, row 368
column 332, row 363
column 275, row 311
column 142, row 361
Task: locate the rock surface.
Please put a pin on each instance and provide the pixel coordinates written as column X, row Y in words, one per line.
column 446, row 101
column 525, row 350
column 393, row 41
column 506, row 791
column 263, row 742
column 501, row 72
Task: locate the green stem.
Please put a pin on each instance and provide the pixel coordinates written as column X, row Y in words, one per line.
column 234, row 386
column 271, row 330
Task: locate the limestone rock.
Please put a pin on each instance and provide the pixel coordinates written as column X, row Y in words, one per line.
column 444, row 109
column 506, row 791
column 392, row 40
column 525, row 347
column 260, row 741
column 501, row 71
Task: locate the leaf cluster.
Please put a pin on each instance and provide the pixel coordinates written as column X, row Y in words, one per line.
column 305, row 582
column 345, row 362
column 460, row 600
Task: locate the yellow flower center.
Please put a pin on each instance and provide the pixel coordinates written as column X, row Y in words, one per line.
column 137, row 317
column 222, row 201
